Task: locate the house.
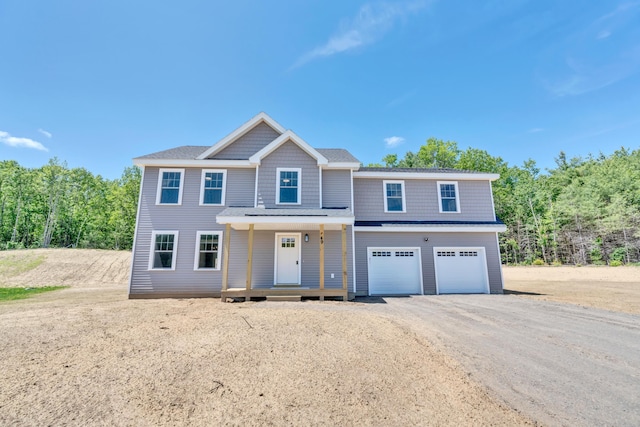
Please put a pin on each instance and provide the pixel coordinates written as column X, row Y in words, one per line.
column 263, row 213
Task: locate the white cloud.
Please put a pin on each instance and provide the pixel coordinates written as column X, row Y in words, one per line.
column 13, row 141
column 581, row 63
column 45, row 133
column 393, row 141
column 371, row 23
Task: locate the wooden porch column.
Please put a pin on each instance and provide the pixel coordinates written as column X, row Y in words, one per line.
column 344, row 262
column 322, row 260
column 225, row 260
column 249, row 261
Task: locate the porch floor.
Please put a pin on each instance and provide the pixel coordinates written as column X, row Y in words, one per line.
column 283, row 291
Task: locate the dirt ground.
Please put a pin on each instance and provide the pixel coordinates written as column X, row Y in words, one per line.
column 609, row 288
column 88, row 356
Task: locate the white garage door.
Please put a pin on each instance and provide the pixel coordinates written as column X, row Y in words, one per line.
column 395, row 271
column 461, row 270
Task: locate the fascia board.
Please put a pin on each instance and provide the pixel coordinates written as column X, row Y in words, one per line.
column 428, row 175
column 253, row 122
column 343, row 165
column 427, row 229
column 288, row 136
column 193, row 163
column 284, row 220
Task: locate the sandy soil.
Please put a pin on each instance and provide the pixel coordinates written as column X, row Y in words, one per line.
column 88, row 356
column 80, row 268
column 609, row 288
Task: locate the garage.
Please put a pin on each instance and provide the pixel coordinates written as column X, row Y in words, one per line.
column 461, row 270
column 394, row 271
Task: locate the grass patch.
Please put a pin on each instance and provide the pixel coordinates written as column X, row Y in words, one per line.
column 18, row 263
column 11, row 294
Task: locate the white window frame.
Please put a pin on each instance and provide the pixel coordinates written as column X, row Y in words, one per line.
column 159, row 190
column 384, row 195
column 196, row 261
column 224, row 186
column 455, row 183
column 299, row 195
column 174, row 253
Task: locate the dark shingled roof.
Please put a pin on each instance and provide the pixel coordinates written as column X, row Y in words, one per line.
column 418, row 170
column 337, row 155
column 186, row 152
column 190, row 152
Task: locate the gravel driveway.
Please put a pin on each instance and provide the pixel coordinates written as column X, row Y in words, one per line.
column 558, row 363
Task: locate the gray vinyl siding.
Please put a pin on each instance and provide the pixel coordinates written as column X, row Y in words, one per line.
column 383, row 239
column 336, row 188
column 422, row 201
column 241, row 187
column 249, row 144
column 187, row 219
column 264, row 247
column 289, row 155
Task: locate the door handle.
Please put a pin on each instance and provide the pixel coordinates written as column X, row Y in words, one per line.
column 296, row 262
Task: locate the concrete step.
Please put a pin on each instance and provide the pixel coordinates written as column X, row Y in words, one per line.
column 284, row 297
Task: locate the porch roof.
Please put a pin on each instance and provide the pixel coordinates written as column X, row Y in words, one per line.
column 285, row 219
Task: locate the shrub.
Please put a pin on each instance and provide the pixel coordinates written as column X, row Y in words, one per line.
column 556, row 263
column 615, row 263
column 599, row 262
column 618, row 254
column 538, row 261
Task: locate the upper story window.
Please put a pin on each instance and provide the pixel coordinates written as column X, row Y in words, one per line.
column 394, row 199
column 163, row 250
column 170, row 183
column 212, row 189
column 208, row 250
column 288, row 186
column 449, row 198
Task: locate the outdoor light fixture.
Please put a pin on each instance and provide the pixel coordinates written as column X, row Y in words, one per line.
column 426, row 239
column 306, row 237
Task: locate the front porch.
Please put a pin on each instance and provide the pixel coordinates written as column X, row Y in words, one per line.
column 291, row 229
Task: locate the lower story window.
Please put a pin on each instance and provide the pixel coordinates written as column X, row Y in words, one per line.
column 208, row 250
column 163, row 250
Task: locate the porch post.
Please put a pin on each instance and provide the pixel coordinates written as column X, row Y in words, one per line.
column 249, row 261
column 344, row 262
column 322, row 260
column 225, row 260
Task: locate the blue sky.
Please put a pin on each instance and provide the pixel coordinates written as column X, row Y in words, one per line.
column 97, row 83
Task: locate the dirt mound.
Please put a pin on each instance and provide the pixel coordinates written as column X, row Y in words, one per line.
column 78, row 268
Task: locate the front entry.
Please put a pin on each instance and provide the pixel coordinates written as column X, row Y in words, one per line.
column 287, row 259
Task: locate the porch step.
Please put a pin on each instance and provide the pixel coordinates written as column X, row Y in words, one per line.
column 284, row 297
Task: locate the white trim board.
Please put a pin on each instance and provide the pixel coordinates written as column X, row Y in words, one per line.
column 435, row 229
column 428, row 175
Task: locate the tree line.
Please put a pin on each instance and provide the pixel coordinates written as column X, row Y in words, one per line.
column 54, row 206
column 582, row 211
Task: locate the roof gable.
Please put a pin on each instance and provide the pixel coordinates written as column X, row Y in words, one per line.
column 239, row 132
column 288, row 136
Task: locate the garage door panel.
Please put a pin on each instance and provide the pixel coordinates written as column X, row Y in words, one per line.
column 461, row 270
column 394, row 271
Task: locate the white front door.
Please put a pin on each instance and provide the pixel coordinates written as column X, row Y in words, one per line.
column 287, row 271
